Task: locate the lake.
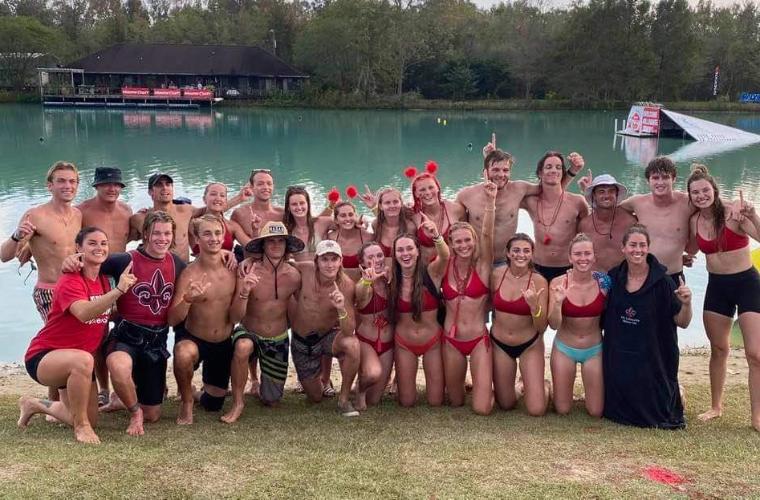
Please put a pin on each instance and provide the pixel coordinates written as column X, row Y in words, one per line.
column 319, row 149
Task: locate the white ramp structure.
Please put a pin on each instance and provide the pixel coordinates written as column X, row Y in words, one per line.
column 703, row 130
column 652, row 120
column 648, row 122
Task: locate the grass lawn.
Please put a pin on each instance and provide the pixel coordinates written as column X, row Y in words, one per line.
column 302, row 450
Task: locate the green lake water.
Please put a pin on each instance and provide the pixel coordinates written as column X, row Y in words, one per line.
column 319, row 149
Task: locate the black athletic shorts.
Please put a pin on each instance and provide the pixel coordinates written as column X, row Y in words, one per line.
column 215, row 356
column 147, row 348
column 33, row 363
column 728, row 292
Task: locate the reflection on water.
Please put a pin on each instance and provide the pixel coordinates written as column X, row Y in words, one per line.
column 320, row 149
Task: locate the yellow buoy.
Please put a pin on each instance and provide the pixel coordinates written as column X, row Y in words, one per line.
column 444, row 122
column 756, row 258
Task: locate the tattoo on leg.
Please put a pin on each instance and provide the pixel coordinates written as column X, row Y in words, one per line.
column 46, row 403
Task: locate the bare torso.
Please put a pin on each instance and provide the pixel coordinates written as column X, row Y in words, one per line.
column 267, row 311
column 209, row 319
column 507, row 206
column 555, row 223
column 313, row 310
column 53, row 239
column 114, row 220
column 244, row 216
column 668, row 226
column 607, row 236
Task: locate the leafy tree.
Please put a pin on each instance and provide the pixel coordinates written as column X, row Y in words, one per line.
column 22, row 41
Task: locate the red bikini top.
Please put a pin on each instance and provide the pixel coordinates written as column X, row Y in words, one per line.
column 227, row 243
column 423, row 238
column 429, row 303
column 727, row 241
column 350, row 261
column 376, row 304
column 475, row 287
column 590, row 310
column 386, row 250
column 519, row 306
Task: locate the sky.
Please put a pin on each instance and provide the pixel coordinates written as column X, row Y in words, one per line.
column 485, row 4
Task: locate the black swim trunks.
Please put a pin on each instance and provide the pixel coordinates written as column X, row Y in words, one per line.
column 215, row 356
column 550, row 272
column 727, row 293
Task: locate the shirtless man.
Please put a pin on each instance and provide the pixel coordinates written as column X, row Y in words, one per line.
column 265, row 287
column 607, row 223
column 161, row 189
column 555, row 214
column 50, row 230
column 260, row 210
column 324, row 323
column 204, row 294
column 105, row 211
column 665, row 212
column 497, row 167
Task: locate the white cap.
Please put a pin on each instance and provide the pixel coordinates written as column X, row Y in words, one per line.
column 328, row 246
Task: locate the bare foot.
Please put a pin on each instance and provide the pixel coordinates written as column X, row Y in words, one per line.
column 579, row 397
column 28, row 407
column 710, row 414
column 51, row 419
column 253, row 389
column 233, row 415
column 360, row 403
column 114, row 404
column 135, row 427
column 85, row 434
column 185, row 416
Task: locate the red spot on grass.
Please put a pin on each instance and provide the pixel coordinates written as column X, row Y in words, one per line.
column 663, row 475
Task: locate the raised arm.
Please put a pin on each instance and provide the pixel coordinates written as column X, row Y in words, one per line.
column 23, row 232
column 87, row 310
column 750, row 222
column 246, row 282
column 683, row 294
column 438, row 266
column 486, row 239
column 342, row 300
column 556, row 297
column 188, row 292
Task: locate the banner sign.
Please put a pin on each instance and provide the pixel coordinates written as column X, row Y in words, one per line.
column 750, row 97
column 135, row 91
column 198, row 94
column 643, row 121
column 167, row 92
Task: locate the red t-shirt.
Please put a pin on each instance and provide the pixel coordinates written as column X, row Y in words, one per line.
column 63, row 330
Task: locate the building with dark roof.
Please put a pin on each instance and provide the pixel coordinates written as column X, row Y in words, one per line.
column 228, row 70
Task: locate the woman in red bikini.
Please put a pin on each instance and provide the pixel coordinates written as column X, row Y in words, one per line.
column 373, row 330
column 300, row 223
column 520, row 301
column 393, row 219
column 576, row 303
column 350, row 235
column 733, row 283
column 426, row 192
column 465, row 292
column 413, row 309
column 216, row 203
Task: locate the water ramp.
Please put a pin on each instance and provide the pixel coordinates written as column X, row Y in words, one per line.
column 702, row 130
column 652, row 120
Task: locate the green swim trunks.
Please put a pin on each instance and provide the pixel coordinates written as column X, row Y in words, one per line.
column 272, row 353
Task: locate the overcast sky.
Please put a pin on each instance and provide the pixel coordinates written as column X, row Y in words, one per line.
column 564, row 3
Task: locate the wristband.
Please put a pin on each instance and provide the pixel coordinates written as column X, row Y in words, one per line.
column 343, row 316
column 365, row 282
column 122, row 291
column 571, row 174
column 538, row 314
column 244, row 297
column 14, row 238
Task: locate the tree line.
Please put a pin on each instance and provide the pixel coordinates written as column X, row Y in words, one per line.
column 590, row 51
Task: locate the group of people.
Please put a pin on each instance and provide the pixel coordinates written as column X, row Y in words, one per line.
column 421, row 280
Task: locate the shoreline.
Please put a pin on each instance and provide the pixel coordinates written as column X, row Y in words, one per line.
column 407, row 102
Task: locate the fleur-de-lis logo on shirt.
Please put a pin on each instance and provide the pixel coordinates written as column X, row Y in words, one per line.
column 630, row 312
column 156, row 294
